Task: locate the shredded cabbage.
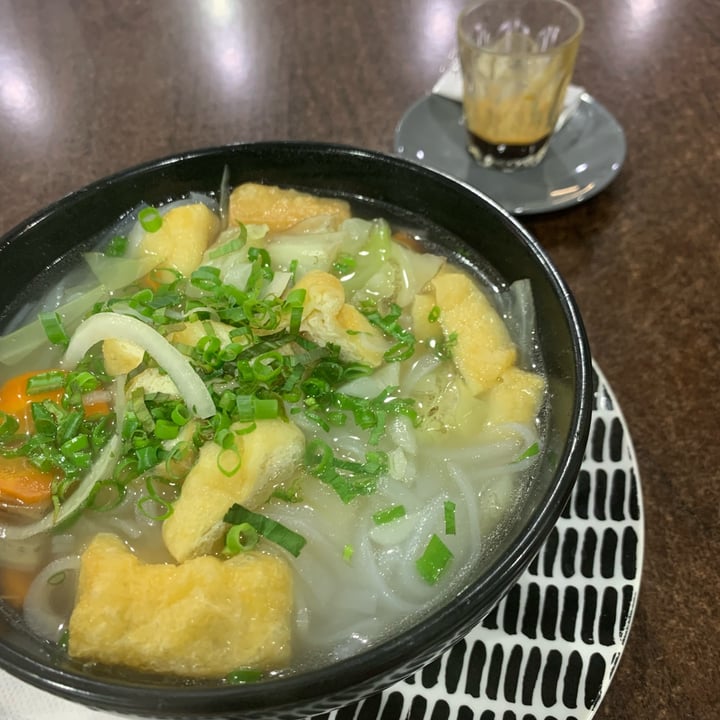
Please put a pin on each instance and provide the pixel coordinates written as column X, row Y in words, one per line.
column 118, row 272
column 17, row 345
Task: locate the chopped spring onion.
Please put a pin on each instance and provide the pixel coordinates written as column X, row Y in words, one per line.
column 161, row 509
column 243, row 675
column 229, row 461
column 237, row 243
column 53, row 327
column 166, row 430
column 383, row 517
column 57, row 578
column 348, row 552
column 180, row 415
column 348, row 478
column 449, row 510
column 117, row 247
column 344, row 265
column 290, row 495
column 206, row 278
column 108, row 325
column 76, row 502
column 434, row 560
column 8, row 424
column 165, row 509
column 106, row 495
column 240, row 538
column 266, row 408
column 444, row 348
column 249, row 408
column 268, row 528
column 51, row 380
column 434, row 314
column 533, row 450
column 390, row 325
column 150, row 219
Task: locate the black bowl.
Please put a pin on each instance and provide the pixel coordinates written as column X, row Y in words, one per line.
column 468, row 225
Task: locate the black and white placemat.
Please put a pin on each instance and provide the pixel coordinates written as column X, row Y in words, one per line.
column 549, row 649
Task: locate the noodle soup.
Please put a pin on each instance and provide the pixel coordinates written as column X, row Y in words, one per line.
column 266, row 435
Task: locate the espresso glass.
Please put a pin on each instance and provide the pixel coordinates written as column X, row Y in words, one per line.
column 517, row 59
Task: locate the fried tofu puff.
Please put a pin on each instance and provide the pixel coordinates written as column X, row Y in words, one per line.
column 203, row 618
column 327, row 318
column 121, row 356
column 194, row 331
column 483, row 349
column 267, row 455
column 186, row 232
column 493, row 390
column 279, row 208
column 152, row 380
column 516, row 398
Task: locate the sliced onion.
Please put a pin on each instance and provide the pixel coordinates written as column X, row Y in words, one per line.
column 100, row 469
column 111, row 326
column 38, row 609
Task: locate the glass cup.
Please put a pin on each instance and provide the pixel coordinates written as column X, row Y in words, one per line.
column 517, row 58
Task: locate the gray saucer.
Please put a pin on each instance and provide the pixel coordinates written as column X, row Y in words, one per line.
column 584, row 156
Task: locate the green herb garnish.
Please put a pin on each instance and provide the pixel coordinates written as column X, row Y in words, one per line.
column 150, row 219
column 533, row 450
column 449, row 512
column 383, row 517
column 270, row 529
column 434, row 561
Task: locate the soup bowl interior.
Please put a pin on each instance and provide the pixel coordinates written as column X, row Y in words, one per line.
column 464, row 224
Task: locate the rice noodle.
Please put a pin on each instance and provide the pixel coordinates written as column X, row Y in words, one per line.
column 421, row 369
column 39, row 611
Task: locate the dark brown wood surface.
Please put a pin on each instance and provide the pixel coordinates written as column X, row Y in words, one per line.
column 88, row 87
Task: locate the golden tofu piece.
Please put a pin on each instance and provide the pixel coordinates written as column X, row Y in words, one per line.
column 201, row 619
column 327, row 318
column 516, row 398
column 194, row 331
column 267, row 455
column 483, row 349
column 152, row 380
column 423, row 329
column 121, row 356
column 280, row 209
column 185, row 234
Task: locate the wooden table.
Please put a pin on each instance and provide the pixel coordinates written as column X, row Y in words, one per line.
column 88, row 88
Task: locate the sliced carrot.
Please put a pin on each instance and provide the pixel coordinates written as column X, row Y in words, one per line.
column 14, row 399
column 14, row 584
column 21, row 482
